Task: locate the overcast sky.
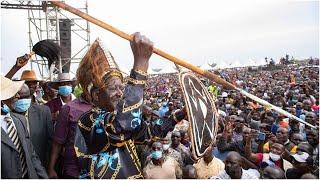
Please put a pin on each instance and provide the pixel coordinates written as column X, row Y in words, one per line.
column 199, row 31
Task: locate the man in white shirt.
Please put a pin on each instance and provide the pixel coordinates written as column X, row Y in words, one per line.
column 234, row 170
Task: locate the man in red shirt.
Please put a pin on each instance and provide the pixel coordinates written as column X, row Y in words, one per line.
column 273, row 158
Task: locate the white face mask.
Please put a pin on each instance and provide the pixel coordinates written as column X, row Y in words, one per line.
column 274, row 157
column 166, row 147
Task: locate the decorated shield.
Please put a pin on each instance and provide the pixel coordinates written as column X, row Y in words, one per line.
column 202, row 113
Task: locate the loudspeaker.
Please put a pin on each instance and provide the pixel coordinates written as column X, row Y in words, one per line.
column 65, row 44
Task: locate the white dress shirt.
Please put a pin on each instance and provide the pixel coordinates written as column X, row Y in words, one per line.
column 4, row 124
column 246, row 174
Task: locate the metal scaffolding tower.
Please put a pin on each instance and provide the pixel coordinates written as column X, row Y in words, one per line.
column 43, row 23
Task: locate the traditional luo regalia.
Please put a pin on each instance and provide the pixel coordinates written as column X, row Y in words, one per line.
column 105, row 141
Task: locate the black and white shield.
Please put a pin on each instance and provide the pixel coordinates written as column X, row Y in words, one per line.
column 202, row 113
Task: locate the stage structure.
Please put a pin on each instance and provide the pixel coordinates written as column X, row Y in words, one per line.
column 48, row 22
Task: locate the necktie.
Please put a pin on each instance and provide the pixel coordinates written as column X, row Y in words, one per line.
column 12, row 133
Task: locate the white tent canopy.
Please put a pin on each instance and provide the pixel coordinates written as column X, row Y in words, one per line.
column 206, row 66
column 221, row 65
column 168, row 69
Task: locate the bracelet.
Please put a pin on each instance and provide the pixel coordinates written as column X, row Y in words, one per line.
column 138, row 75
column 142, row 73
column 137, row 82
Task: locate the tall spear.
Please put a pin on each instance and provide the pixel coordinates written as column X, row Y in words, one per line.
column 178, row 61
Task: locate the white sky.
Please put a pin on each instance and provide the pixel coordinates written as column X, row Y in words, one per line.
column 198, row 31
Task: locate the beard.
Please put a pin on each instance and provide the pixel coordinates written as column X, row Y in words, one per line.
column 115, row 103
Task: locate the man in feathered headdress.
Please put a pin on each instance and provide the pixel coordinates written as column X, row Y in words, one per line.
column 109, row 131
column 89, row 73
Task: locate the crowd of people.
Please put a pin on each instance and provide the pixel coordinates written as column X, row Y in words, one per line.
column 105, row 125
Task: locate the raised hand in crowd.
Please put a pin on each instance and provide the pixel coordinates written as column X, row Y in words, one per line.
column 21, row 61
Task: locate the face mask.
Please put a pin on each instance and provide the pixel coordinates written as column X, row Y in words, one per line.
column 156, row 155
column 22, row 105
column 166, row 146
column 274, row 157
column 5, row 109
column 65, row 90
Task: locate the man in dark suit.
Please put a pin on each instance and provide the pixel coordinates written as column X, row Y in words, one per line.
column 41, row 130
column 39, row 125
column 18, row 158
column 39, row 122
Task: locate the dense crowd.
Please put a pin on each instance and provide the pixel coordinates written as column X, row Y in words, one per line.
column 268, row 144
column 78, row 128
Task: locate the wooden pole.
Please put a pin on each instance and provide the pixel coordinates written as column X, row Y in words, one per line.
column 176, row 60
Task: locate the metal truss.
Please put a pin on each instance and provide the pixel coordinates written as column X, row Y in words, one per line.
column 43, row 23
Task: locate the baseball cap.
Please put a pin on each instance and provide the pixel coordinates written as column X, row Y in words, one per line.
column 301, row 157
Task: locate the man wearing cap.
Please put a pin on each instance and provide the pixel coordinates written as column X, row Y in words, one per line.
column 302, row 162
column 64, row 86
column 18, row 158
column 274, row 158
column 30, row 78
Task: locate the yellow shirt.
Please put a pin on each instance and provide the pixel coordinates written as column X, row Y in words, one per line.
column 294, row 149
column 205, row 170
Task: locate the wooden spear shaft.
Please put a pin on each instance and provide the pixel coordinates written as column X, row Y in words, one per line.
column 176, row 60
column 155, row 50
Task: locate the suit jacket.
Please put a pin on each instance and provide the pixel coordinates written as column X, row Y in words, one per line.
column 10, row 162
column 41, row 130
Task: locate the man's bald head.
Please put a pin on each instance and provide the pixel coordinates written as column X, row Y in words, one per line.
column 234, row 155
column 189, row 172
column 308, row 176
column 233, row 165
column 273, row 173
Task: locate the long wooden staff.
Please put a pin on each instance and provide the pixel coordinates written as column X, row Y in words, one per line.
column 176, row 60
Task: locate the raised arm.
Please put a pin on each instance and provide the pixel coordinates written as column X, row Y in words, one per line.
column 21, row 61
column 129, row 109
column 248, row 151
column 120, row 123
column 222, row 143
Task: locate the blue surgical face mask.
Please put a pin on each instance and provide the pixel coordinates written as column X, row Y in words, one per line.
column 22, row 105
column 156, row 154
column 5, row 109
column 65, row 90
